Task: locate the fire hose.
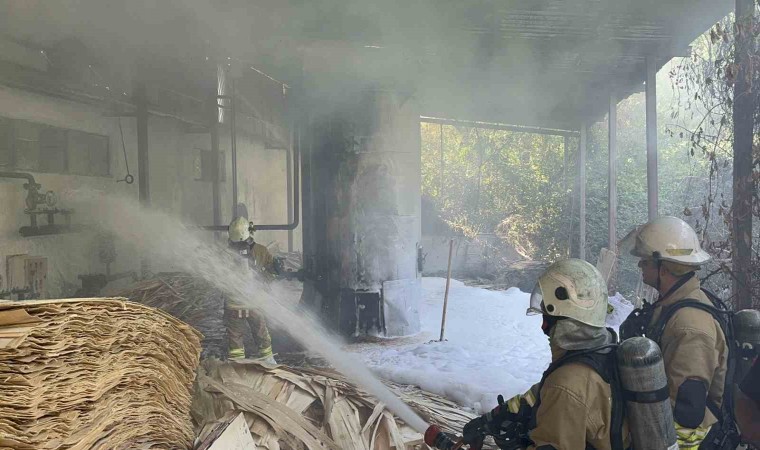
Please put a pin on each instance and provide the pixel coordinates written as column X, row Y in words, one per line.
column 512, row 437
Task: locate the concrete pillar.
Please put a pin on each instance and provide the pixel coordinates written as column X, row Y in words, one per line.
column 651, row 131
column 365, row 183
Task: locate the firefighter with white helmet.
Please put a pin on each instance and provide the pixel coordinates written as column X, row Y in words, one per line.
column 692, row 340
column 570, row 408
column 238, row 317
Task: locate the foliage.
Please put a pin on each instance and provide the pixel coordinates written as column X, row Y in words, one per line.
column 518, row 184
column 523, row 191
column 497, row 180
column 704, row 84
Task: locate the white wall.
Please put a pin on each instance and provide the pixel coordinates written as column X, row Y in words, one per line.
column 173, row 187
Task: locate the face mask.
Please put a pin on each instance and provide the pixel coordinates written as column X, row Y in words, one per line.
column 548, row 324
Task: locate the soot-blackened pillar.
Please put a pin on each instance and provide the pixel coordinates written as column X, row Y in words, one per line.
column 362, row 184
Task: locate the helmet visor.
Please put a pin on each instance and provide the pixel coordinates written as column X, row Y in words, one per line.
column 536, row 302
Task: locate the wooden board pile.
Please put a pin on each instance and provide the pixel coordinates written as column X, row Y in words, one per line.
column 191, row 300
column 94, row 374
column 293, row 408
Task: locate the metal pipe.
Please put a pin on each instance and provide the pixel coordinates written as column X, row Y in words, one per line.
column 296, row 191
column 612, row 175
column 296, row 196
column 651, row 132
column 143, row 167
column 216, row 197
column 20, row 176
column 582, row 192
column 499, row 126
column 233, row 148
column 289, row 182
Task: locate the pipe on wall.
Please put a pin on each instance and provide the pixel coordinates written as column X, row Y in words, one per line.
column 296, row 152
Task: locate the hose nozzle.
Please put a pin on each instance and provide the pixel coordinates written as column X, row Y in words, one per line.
column 436, row 438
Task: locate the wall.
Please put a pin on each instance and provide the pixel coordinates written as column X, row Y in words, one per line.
column 172, row 183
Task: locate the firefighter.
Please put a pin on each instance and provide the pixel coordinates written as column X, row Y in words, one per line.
column 748, row 405
column 692, row 341
column 576, row 404
column 239, row 317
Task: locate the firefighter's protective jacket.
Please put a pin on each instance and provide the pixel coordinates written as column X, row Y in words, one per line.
column 262, row 262
column 695, row 356
column 575, row 410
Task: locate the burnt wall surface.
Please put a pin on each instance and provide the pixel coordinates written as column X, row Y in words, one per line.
column 362, row 230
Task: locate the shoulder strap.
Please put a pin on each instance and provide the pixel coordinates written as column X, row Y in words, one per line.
column 723, row 316
column 658, row 328
column 605, row 364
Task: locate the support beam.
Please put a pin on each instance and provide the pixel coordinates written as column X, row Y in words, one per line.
column 743, row 107
column 612, row 176
column 499, row 126
column 569, row 194
column 582, row 192
column 651, row 131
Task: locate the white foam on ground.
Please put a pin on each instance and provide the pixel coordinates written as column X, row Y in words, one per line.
column 491, row 346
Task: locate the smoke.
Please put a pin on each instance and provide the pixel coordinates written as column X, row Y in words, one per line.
column 546, row 64
column 166, row 241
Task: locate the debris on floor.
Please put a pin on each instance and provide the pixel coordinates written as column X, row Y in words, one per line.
column 191, row 300
column 295, row 408
column 94, row 374
column 230, row 433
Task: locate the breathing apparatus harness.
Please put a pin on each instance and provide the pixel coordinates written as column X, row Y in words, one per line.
column 724, row 434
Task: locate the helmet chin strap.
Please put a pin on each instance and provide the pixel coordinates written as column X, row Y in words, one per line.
column 658, row 264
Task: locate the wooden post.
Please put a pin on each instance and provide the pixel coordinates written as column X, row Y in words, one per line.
column 651, row 132
column 446, row 294
column 743, row 134
column 582, row 192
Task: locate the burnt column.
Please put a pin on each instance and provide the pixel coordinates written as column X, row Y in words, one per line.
column 365, row 214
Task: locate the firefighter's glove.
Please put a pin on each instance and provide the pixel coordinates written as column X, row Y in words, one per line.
column 489, row 423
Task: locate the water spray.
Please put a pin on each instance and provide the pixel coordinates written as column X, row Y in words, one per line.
column 166, row 239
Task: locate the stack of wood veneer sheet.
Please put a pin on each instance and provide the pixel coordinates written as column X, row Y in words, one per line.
column 94, row 374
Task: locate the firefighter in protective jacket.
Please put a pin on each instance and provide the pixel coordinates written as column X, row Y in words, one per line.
column 238, row 317
column 692, row 342
column 572, row 407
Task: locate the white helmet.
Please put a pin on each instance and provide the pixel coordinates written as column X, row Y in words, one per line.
column 671, row 239
column 240, row 230
column 571, row 288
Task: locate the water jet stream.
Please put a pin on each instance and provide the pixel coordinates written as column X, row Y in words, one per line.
column 168, row 242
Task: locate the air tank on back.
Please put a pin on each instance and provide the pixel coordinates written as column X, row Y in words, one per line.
column 645, row 386
column 747, row 337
